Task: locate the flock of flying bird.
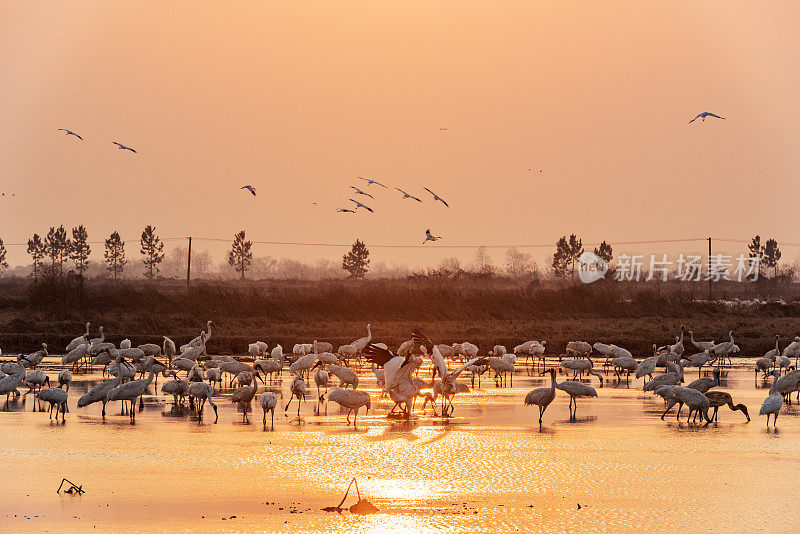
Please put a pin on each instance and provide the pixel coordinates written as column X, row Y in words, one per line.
column 396, row 373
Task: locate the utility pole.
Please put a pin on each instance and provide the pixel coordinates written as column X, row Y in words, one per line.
column 189, row 264
column 709, row 268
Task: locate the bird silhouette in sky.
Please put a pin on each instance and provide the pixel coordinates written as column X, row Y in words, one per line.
column 703, row 116
column 430, row 237
column 360, row 205
column 360, row 192
column 436, row 197
column 123, row 147
column 370, row 182
column 70, row 132
column 249, row 188
column 406, row 195
column 345, row 210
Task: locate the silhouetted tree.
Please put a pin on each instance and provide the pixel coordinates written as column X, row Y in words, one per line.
column 561, row 257
column 57, row 247
column 605, row 251
column 80, row 249
column 518, row 264
column 36, row 250
column 772, row 254
column 483, row 262
column 575, row 250
column 3, row 262
column 756, row 248
column 356, row 261
column 115, row 255
column 240, row 256
column 152, row 250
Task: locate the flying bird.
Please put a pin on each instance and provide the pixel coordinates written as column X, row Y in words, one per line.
column 360, row 205
column 370, row 182
column 70, row 132
column 345, row 210
column 406, row 195
column 705, row 114
column 123, row 147
column 430, row 237
column 436, row 197
column 360, row 192
column 249, row 188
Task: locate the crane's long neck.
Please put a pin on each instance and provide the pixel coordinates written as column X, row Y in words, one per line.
column 552, row 381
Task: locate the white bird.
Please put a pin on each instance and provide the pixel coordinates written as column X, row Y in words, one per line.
column 648, row 365
column 277, row 354
column 350, row 399
column 574, row 390
column 70, row 132
column 10, row 383
column 56, row 397
column 296, row 389
column 64, row 378
column 268, row 401
column 502, row 368
column 448, row 387
column 360, row 205
column 169, row 348
column 321, row 379
column 123, row 147
column 362, row 342
column 705, row 114
column 202, row 392
column 214, row 376
column 80, row 340
column 303, row 364
column 245, row 394
column 436, row 197
column 150, row 349
column 542, row 397
column 36, row 379
column 99, row 394
column 249, row 188
column 704, row 384
column 702, row 345
column 198, row 340
column 430, row 237
column 125, row 344
column 771, row 406
column 100, row 339
column 694, row 400
column 36, row 358
column 131, row 391
column 346, row 376
column 360, row 192
column 408, row 195
column 176, row 387
column 370, row 182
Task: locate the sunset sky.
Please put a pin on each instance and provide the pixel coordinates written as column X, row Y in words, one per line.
column 299, row 98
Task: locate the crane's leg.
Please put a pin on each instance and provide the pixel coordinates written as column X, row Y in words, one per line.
column 541, row 412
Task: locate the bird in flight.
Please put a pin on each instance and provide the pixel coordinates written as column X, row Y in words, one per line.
column 430, row 237
column 443, row 129
column 345, row 210
column 705, row 114
column 436, row 197
column 249, row 188
column 406, row 195
column 70, row 132
column 360, row 192
column 360, row 205
column 370, row 182
column 123, row 147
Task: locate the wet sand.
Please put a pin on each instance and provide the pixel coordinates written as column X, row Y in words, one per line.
column 489, row 468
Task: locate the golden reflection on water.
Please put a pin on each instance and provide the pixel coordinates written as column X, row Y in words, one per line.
column 491, row 468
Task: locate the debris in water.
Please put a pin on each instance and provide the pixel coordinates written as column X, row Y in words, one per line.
column 72, row 489
column 361, row 507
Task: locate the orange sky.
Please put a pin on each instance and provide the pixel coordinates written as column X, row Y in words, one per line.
column 299, row 98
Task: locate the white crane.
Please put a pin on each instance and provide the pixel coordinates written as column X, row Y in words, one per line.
column 99, row 393
column 296, row 389
column 705, row 114
column 70, row 132
column 430, row 237
column 370, row 182
column 202, row 392
column 702, row 345
column 10, row 383
column 576, row 390
column 694, row 400
column 704, row 384
column 80, row 340
column 205, row 336
column 321, row 379
column 56, row 397
column 268, row 401
column 168, row 347
column 449, row 385
column 408, row 195
column 771, row 406
column 360, row 343
column 542, row 397
column 360, row 192
column 648, row 365
column 244, row 395
column 437, row 197
column 350, row 399
column 360, row 205
column 123, row 147
column 131, row 391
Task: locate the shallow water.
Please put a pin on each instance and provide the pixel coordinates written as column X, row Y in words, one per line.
column 490, row 468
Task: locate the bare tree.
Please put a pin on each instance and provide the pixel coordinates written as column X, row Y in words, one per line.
column 518, row 264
